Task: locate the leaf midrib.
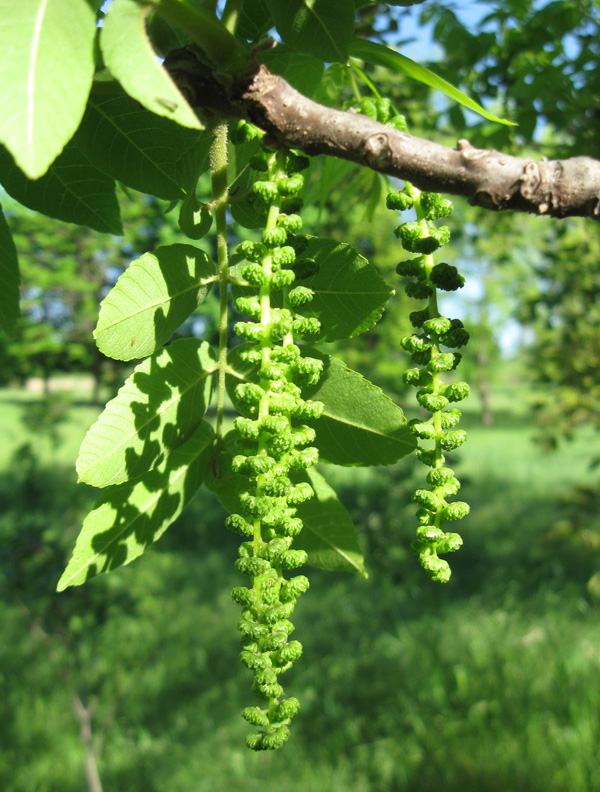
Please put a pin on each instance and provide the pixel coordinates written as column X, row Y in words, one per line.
column 149, row 306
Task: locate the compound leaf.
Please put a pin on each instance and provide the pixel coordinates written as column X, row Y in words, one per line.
column 151, row 299
column 129, row 55
column 129, row 517
column 157, row 408
column 46, row 70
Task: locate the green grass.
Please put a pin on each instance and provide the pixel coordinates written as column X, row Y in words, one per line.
column 488, row 684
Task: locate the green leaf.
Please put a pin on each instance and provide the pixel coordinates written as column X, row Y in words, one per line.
column 157, row 408
column 255, row 20
column 46, row 70
column 319, row 27
column 350, row 295
column 302, row 71
column 329, row 536
column 151, row 299
column 129, row 517
column 71, row 190
column 360, row 424
column 380, row 55
column 9, row 277
column 128, row 54
column 144, row 151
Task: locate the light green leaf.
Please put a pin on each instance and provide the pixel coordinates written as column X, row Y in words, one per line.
column 380, row 55
column 129, row 517
column 350, row 295
column 46, row 70
column 319, row 27
column 151, row 299
column 360, row 425
column 71, row 190
column 157, row 408
column 329, row 536
column 255, row 20
column 9, row 277
column 144, row 151
column 128, row 54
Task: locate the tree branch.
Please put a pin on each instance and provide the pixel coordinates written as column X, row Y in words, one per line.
column 487, row 178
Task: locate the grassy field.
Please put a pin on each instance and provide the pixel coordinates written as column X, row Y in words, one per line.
column 488, row 684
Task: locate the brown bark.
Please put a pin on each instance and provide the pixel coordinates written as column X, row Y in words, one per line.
column 487, row 178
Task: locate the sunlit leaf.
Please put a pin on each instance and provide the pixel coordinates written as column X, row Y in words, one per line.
column 157, row 408
column 130, row 516
column 129, row 55
column 151, row 299
column 46, row 70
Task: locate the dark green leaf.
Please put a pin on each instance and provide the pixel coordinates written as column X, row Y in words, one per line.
column 302, row 71
column 255, row 20
column 9, row 277
column 151, row 299
column 360, row 424
column 195, row 219
column 144, row 151
column 71, row 190
column 349, row 293
column 329, row 536
column 46, row 70
column 157, row 408
column 129, row 517
column 319, row 27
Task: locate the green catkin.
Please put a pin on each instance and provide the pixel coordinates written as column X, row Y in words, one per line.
column 428, row 347
column 274, row 441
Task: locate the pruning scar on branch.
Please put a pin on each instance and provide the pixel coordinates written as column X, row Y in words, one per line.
column 487, row 178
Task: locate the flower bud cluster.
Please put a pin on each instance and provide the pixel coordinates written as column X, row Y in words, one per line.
column 430, row 348
column 273, row 442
